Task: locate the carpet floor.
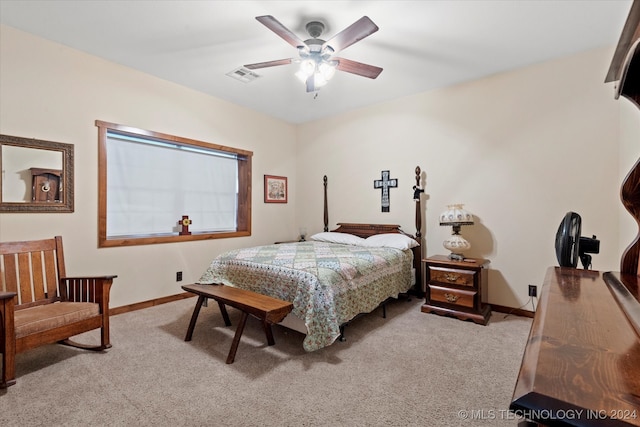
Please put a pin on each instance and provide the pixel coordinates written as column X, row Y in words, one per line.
column 410, row 369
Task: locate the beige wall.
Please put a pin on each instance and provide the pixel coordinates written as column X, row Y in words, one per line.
column 51, row 92
column 520, row 149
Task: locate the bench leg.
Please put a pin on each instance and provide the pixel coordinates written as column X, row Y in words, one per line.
column 268, row 332
column 225, row 316
column 236, row 338
column 194, row 317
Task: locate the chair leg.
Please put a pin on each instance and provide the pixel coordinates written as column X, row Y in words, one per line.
column 8, row 343
column 8, row 370
column 105, row 340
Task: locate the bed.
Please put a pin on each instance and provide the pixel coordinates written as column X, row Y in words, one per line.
column 331, row 279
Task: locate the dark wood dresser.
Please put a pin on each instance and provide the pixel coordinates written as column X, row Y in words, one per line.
column 581, row 365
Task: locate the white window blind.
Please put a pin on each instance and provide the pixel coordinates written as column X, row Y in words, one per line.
column 151, row 184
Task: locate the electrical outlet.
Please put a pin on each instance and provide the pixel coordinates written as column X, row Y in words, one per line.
column 533, row 291
column 179, row 276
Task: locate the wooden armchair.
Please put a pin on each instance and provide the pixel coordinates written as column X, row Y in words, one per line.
column 40, row 305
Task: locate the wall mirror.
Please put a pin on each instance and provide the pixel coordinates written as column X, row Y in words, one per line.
column 37, row 175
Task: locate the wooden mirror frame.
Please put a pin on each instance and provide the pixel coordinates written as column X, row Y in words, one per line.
column 66, row 205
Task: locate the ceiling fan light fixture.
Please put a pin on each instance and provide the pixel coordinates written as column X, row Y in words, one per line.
column 301, row 76
column 316, row 69
column 327, row 70
column 326, row 53
column 307, row 67
column 319, row 80
column 316, row 63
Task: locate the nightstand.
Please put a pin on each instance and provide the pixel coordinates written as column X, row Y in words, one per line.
column 456, row 288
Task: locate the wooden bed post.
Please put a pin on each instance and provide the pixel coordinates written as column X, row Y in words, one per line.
column 417, row 193
column 417, row 263
column 326, row 207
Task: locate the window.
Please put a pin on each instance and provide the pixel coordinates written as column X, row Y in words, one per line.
column 148, row 181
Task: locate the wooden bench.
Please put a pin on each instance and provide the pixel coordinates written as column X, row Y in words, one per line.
column 40, row 305
column 269, row 310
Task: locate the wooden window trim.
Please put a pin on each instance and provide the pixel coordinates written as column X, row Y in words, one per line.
column 244, row 192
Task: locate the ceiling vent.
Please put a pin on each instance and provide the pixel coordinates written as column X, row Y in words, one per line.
column 245, row 75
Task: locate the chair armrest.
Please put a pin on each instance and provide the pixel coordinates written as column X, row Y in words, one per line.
column 112, row 276
column 7, row 295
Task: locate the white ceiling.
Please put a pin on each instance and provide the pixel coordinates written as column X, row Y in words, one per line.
column 422, row 45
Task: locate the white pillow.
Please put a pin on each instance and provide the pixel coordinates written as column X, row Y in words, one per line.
column 391, row 240
column 343, row 238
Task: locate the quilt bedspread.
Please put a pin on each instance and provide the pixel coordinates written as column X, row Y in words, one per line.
column 327, row 283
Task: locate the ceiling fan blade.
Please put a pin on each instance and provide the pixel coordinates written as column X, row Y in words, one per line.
column 358, row 68
column 274, row 25
column 269, row 64
column 360, row 29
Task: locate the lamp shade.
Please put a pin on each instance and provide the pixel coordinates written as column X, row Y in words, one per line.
column 456, row 215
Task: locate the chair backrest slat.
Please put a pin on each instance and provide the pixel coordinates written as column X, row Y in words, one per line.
column 10, row 273
column 50, row 273
column 60, row 257
column 24, row 272
column 38, row 278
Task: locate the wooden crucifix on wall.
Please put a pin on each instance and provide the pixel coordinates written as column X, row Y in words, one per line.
column 385, row 183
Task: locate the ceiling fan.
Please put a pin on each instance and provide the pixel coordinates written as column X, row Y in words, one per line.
column 317, row 63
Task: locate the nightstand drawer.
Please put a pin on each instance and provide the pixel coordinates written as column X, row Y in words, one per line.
column 452, row 296
column 452, row 277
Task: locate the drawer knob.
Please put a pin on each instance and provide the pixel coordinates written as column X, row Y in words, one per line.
column 451, row 297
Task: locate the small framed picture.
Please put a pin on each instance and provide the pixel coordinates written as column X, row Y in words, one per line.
column 275, row 189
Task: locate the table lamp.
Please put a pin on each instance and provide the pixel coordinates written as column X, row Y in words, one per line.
column 455, row 216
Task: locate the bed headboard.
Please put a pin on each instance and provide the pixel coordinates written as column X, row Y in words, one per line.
column 366, row 230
